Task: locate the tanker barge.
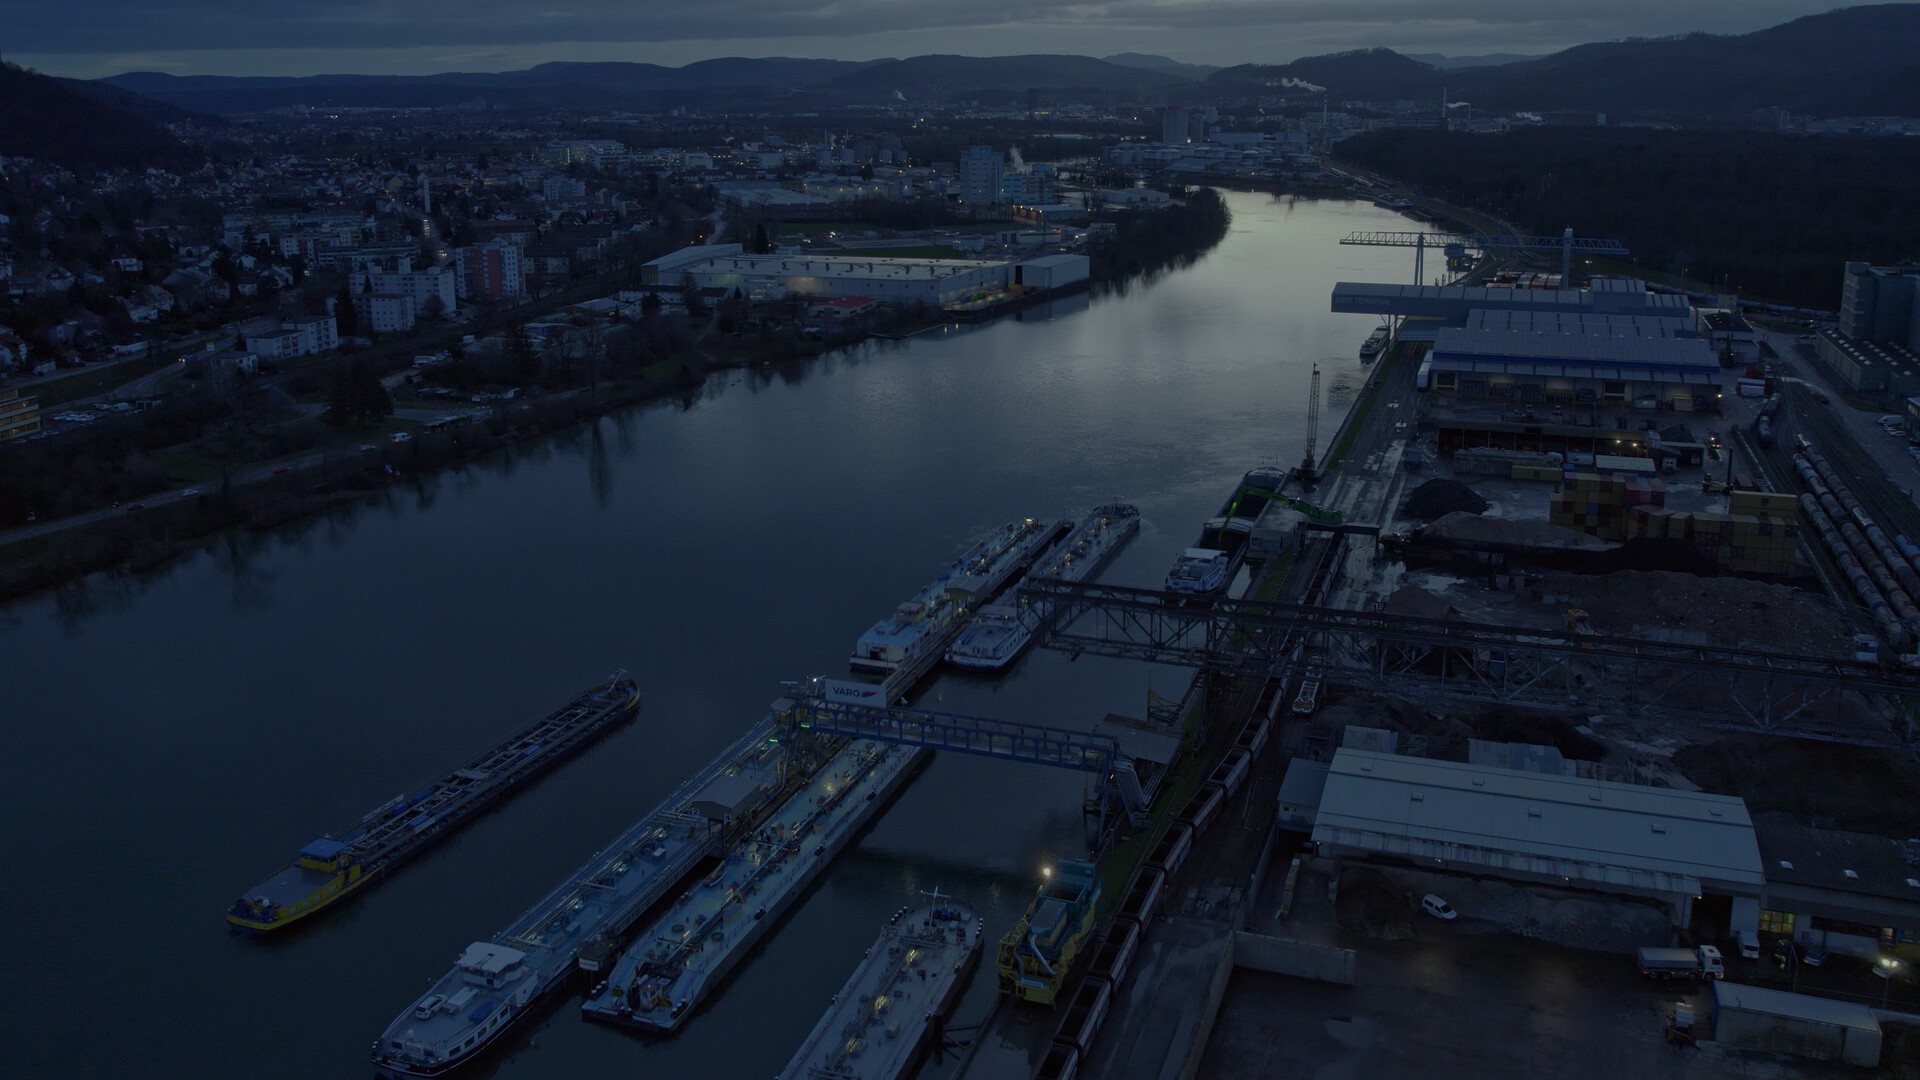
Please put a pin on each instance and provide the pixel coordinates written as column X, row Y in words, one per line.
column 884, row 1016
column 656, row 983
column 494, row 983
column 333, row 868
column 1003, row 629
column 917, row 632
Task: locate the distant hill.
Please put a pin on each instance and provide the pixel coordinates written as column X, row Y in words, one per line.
column 1162, row 64
column 554, row 83
column 1851, row 62
column 84, row 125
column 1364, row 74
column 1445, row 63
column 613, row 83
column 958, row 76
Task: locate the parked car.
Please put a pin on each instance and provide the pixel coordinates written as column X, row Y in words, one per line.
column 1749, row 944
column 1438, row 908
column 1814, row 956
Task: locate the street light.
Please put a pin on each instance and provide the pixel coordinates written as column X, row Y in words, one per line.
column 1888, row 969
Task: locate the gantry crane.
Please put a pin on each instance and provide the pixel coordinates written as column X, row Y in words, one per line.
column 1567, row 243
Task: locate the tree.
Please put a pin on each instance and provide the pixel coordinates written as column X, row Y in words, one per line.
column 357, row 398
column 762, row 243
column 343, row 313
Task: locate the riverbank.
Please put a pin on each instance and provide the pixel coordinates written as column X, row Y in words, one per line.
column 144, row 536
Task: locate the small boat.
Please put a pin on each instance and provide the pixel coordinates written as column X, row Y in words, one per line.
column 1375, row 342
column 1199, row 571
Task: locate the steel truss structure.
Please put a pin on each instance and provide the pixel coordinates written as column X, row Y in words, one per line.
column 1741, row 689
column 1112, row 775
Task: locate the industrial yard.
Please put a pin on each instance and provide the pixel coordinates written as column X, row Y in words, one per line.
column 1621, row 664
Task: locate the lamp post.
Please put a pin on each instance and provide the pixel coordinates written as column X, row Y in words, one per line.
column 1888, row 969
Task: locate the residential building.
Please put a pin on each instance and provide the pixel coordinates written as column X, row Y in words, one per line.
column 490, row 271
column 384, row 313
column 981, row 168
column 13, row 350
column 293, row 338
column 424, row 285
column 147, row 303
column 19, row 416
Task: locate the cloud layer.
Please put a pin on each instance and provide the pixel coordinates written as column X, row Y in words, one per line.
column 1212, row 31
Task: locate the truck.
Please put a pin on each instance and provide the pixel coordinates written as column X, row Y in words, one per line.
column 1701, row 963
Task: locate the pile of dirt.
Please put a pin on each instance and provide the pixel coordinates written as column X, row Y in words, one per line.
column 1643, row 553
column 1415, row 601
column 1718, row 611
column 1437, row 498
column 1857, row 788
column 1473, row 532
column 1370, row 904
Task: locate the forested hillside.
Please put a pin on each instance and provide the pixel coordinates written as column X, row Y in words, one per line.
column 51, row 120
column 1773, row 216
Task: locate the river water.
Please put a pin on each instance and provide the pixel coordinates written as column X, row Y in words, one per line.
column 172, row 740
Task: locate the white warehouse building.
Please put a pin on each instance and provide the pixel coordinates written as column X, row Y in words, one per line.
column 940, row 282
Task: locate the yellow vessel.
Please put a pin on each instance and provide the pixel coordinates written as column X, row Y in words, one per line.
column 329, row 870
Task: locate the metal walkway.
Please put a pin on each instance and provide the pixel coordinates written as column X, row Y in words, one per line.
column 1099, row 755
column 1745, row 689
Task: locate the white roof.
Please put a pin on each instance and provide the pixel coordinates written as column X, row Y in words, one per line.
column 1596, row 832
column 485, row 958
column 1593, row 350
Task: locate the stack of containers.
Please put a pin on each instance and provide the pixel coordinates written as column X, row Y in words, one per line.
column 1758, row 536
column 1752, row 543
column 1600, row 504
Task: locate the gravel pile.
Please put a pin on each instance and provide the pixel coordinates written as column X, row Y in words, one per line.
column 1437, row 498
column 1725, row 610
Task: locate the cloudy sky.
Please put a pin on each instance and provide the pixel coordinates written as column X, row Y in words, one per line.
column 303, row 37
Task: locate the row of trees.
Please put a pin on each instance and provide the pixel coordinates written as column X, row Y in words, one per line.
column 1147, row 243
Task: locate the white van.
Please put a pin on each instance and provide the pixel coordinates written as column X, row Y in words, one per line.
column 1749, row 944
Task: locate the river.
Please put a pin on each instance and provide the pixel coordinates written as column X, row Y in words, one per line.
column 173, row 739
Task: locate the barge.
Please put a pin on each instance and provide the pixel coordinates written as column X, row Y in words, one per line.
column 1003, row 630
column 683, row 954
column 897, row 998
column 922, row 626
column 493, row 984
column 334, row 867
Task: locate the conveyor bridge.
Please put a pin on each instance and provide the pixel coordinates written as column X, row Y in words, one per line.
column 1740, row 688
column 1112, row 772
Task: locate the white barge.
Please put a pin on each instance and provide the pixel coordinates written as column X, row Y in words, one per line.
column 924, row 624
column 1003, row 630
column 673, row 963
column 884, row 1016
